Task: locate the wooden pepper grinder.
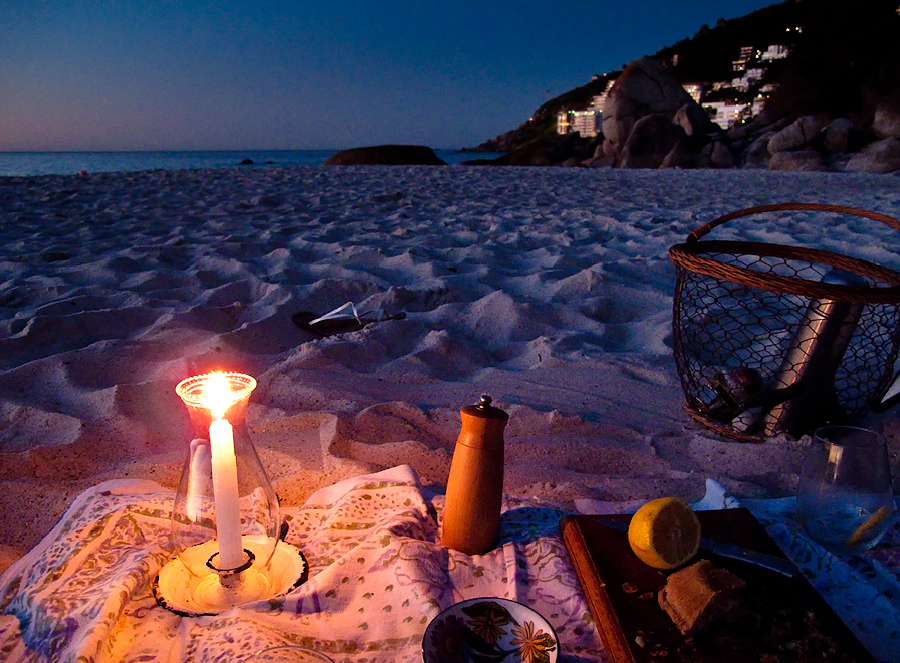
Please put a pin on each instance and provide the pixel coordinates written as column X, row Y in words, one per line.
column 475, row 486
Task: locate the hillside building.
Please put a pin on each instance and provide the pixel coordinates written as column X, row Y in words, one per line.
column 695, row 90
column 586, row 122
column 747, row 54
column 751, row 77
column 774, row 52
column 727, row 113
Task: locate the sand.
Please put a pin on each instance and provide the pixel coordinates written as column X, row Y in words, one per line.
column 548, row 289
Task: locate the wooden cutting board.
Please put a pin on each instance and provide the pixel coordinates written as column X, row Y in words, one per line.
column 780, row 620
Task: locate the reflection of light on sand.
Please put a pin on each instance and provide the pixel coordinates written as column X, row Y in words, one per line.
column 548, row 288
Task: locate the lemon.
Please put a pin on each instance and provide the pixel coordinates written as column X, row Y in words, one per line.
column 665, row 533
column 874, row 521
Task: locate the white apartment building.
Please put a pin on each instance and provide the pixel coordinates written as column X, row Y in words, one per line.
column 750, row 77
column 598, row 100
column 585, row 122
column 726, row 113
column 775, row 52
column 747, row 53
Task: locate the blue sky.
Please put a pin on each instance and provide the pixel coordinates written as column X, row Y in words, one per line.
column 229, row 74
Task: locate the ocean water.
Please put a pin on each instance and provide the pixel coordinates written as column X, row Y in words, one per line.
column 69, row 163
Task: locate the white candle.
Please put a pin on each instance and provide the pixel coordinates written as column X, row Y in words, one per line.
column 225, row 490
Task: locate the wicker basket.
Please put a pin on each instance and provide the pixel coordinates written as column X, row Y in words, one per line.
column 772, row 339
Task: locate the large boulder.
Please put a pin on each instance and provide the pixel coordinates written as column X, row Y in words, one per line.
column 757, row 155
column 882, row 156
column 539, row 152
column 803, row 160
column 721, row 156
column 387, row 155
column 838, row 136
column 886, row 123
column 682, row 155
column 797, row 135
column 694, row 120
column 644, row 88
column 651, row 139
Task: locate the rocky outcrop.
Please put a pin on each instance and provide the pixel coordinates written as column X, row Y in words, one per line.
column 649, row 121
column 650, row 141
column 796, row 135
column 567, row 150
column 387, row 155
column 693, row 119
column 886, row 123
column 647, row 116
column 806, row 160
column 682, row 155
column 654, row 141
column 882, row 156
column 838, row 136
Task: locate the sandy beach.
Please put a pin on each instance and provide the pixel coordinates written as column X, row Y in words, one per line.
column 549, row 289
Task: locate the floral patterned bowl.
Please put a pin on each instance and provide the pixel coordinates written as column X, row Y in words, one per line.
column 489, row 630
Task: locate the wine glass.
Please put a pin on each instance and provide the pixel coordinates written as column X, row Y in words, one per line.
column 844, row 494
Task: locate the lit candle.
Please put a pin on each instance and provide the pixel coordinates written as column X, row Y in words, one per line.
column 224, row 474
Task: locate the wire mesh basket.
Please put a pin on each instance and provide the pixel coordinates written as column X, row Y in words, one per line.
column 771, row 339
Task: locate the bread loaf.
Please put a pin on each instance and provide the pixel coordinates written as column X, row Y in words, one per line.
column 698, row 595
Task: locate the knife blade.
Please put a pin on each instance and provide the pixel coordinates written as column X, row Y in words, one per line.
column 778, row 565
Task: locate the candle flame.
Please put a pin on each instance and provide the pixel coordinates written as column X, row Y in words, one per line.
column 217, row 395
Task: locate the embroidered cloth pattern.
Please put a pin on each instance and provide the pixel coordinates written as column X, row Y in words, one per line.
column 378, row 575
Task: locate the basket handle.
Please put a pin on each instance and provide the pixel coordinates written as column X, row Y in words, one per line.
column 697, row 233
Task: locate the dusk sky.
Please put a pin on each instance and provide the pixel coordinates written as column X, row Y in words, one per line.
column 229, row 74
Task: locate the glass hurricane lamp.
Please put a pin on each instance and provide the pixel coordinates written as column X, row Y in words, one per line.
column 226, row 522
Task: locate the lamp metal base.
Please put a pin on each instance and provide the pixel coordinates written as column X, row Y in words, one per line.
column 186, row 593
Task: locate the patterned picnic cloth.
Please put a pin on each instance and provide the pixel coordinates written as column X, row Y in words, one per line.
column 378, row 575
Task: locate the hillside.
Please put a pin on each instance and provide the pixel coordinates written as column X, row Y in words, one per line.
column 844, row 59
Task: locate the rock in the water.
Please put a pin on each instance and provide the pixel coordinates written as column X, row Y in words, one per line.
column 805, row 160
column 246, row 162
column 387, row 155
column 882, row 156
